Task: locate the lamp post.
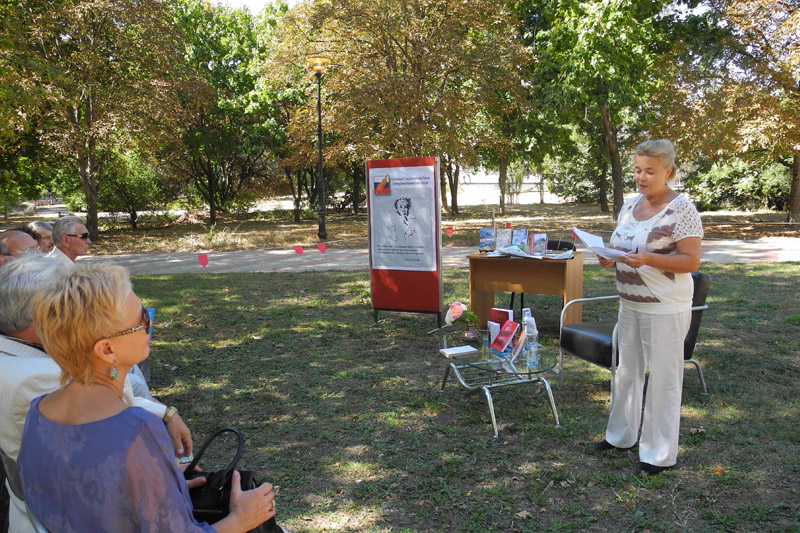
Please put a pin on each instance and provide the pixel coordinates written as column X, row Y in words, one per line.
column 318, row 65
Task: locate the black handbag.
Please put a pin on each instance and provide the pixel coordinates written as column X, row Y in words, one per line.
column 211, row 502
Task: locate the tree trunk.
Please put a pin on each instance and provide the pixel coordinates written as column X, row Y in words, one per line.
column 134, row 215
column 85, row 157
column 503, row 183
column 453, row 179
column 443, row 185
column 295, row 190
column 311, row 192
column 610, row 135
column 603, row 194
column 212, row 197
column 794, row 194
column 358, row 179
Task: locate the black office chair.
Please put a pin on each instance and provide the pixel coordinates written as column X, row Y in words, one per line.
column 596, row 342
column 559, row 245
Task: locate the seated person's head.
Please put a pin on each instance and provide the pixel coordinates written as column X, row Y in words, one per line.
column 71, row 236
column 20, row 280
column 17, row 243
column 83, row 307
column 43, row 233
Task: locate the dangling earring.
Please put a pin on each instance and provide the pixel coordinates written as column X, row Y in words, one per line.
column 114, row 369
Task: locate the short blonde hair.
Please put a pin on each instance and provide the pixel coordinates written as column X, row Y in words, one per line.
column 662, row 148
column 75, row 310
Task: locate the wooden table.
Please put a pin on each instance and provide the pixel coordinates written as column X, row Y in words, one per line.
column 533, row 276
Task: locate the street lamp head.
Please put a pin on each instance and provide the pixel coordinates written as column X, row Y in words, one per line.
column 318, row 63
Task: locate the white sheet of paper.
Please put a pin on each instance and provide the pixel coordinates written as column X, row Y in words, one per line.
column 608, row 253
column 589, row 239
column 595, row 244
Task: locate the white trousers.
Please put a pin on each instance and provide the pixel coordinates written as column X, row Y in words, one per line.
column 653, row 342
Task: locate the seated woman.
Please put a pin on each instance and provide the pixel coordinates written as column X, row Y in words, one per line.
column 89, row 462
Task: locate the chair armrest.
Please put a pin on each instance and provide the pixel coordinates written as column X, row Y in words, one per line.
column 580, row 301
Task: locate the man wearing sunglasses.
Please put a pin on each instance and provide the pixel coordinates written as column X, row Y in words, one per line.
column 71, row 239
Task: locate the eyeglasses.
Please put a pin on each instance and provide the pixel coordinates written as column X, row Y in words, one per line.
column 84, row 236
column 144, row 325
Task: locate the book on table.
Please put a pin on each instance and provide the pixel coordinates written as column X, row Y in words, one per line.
column 506, row 335
column 537, row 244
column 502, row 238
column 501, row 315
column 456, row 351
column 494, row 329
column 486, row 239
column 519, row 238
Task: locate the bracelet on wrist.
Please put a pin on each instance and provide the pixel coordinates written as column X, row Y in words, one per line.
column 171, row 411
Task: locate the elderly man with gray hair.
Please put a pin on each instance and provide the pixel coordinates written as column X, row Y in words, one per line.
column 27, row 372
column 43, row 233
column 71, row 239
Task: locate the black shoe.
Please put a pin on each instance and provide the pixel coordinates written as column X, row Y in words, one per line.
column 605, row 445
column 652, row 470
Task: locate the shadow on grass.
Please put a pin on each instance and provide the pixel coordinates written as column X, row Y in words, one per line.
column 349, row 421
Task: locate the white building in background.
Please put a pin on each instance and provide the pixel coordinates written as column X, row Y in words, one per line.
column 477, row 187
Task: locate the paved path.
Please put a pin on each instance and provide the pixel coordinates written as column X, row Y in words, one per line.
column 772, row 249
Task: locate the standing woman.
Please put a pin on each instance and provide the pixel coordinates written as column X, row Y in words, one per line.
column 661, row 230
column 88, row 461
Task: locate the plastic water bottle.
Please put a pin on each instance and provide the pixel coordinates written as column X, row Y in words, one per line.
column 531, row 345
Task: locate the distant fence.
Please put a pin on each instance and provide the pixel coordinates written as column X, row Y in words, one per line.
column 47, row 198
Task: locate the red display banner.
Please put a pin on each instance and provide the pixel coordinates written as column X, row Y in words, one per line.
column 404, row 234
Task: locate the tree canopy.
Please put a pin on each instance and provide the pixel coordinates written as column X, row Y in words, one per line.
column 223, row 103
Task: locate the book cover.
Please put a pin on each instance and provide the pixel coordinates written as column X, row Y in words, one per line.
column 518, row 347
column 537, row 244
column 519, row 238
column 457, row 350
column 486, row 239
column 494, row 329
column 501, row 315
column 505, row 336
column 502, row 238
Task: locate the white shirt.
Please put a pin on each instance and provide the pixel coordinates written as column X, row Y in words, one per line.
column 648, row 289
column 61, row 256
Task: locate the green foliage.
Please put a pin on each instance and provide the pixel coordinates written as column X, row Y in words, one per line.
column 133, row 184
column 593, row 73
column 739, row 184
column 67, row 186
column 229, row 140
column 107, row 75
column 9, row 194
column 576, row 171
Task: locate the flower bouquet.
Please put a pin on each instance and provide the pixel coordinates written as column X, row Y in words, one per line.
column 458, row 314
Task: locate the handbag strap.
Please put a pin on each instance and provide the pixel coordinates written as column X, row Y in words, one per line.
column 219, row 482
